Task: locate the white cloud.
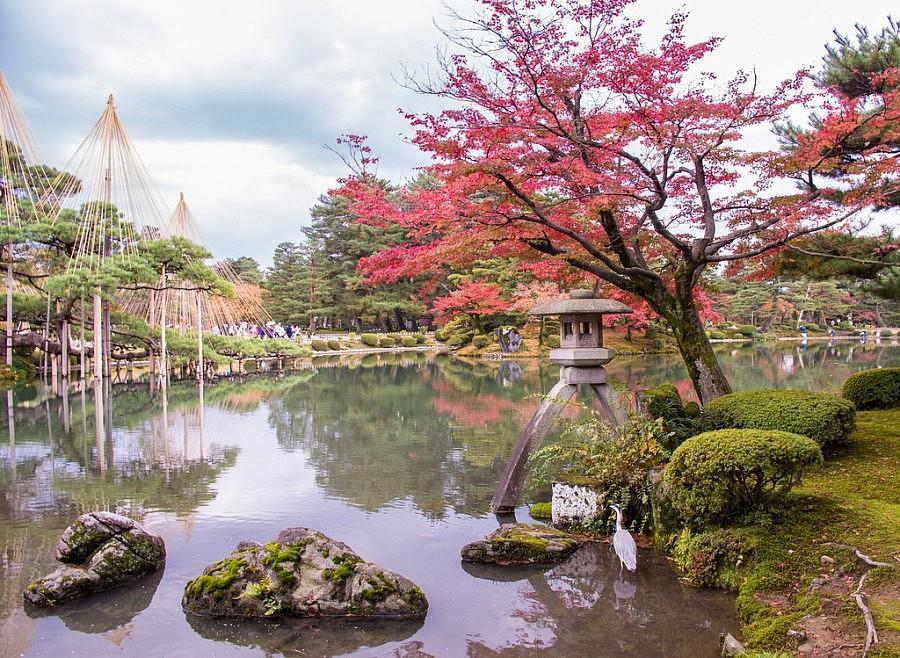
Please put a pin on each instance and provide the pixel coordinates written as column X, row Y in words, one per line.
column 245, row 196
column 231, row 101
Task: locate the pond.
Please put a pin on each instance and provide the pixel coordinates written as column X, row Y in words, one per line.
column 397, row 455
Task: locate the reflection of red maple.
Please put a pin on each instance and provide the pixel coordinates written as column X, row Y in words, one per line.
column 477, row 412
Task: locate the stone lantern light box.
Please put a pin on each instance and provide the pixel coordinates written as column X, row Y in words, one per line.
column 581, row 353
column 581, row 357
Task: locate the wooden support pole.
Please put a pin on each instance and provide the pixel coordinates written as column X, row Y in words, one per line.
column 98, row 337
column 65, row 350
column 513, row 478
column 163, row 359
column 9, row 304
column 199, row 338
column 81, row 346
column 152, row 324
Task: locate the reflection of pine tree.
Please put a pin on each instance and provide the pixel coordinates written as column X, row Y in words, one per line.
column 376, row 435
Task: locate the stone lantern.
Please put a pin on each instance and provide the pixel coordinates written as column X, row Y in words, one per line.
column 581, row 357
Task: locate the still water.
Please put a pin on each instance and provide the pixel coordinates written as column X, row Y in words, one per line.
column 396, row 455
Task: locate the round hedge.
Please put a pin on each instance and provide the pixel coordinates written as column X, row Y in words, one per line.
column 369, row 339
column 481, row 341
column 387, row 341
column 335, row 345
column 717, row 476
column 826, row 419
column 878, row 388
column 319, row 345
column 408, row 341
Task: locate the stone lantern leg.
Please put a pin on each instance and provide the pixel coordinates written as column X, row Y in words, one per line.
column 581, row 357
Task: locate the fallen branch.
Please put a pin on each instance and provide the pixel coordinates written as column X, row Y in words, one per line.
column 859, row 554
column 871, row 631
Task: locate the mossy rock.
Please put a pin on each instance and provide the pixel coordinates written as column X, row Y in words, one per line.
column 301, row 573
column 521, row 543
column 99, row 552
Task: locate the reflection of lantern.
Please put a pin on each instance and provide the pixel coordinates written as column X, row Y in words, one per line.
column 581, row 356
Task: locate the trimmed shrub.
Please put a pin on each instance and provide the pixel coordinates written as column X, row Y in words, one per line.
column 878, row 388
column 845, row 326
column 826, row 419
column 541, row 511
column 420, row 338
column 319, row 345
column 716, row 335
column 716, row 477
column 812, row 326
column 409, row 341
column 887, row 333
column 747, row 330
column 369, row 339
column 552, row 341
column 481, row 341
column 712, row 558
column 737, row 335
column 387, row 341
column 665, row 403
column 439, row 335
column 459, row 339
column 335, row 345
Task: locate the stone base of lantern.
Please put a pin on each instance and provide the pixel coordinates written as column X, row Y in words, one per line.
column 573, row 503
column 574, row 376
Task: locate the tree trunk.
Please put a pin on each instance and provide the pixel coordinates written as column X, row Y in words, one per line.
column 401, row 320
column 702, row 366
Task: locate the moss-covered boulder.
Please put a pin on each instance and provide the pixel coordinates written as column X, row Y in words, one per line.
column 302, row 573
column 521, row 543
column 100, row 551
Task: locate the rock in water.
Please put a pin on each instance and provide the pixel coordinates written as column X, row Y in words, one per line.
column 302, row 573
column 520, row 543
column 100, row 551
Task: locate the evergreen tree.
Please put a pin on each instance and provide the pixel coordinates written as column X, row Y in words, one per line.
column 247, row 268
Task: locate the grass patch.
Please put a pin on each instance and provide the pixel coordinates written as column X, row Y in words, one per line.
column 853, row 499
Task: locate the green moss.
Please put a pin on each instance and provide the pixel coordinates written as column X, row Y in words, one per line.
column 277, row 555
column 346, row 566
column 379, row 589
column 518, row 545
column 415, row 598
column 854, row 499
column 258, row 590
column 216, row 578
column 541, row 511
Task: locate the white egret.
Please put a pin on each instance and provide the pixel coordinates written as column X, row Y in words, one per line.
column 623, row 543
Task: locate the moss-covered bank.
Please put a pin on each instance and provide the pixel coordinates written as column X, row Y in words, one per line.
column 794, row 570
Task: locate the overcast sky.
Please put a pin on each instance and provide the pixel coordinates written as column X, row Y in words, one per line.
column 231, row 102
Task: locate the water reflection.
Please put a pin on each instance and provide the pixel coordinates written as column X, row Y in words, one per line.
column 306, row 638
column 397, row 455
column 597, row 610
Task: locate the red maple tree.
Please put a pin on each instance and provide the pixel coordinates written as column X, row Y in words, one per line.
column 472, row 298
column 570, row 141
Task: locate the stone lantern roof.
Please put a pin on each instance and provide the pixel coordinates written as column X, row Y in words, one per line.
column 581, row 302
